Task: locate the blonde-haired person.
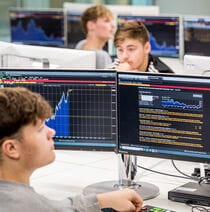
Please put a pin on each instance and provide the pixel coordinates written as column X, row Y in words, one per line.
column 133, row 49
column 97, row 22
column 26, row 144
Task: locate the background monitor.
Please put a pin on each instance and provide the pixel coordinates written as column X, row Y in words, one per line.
column 164, row 33
column 37, row 27
column 194, row 64
column 84, row 104
column 74, row 29
column 196, row 35
column 164, row 116
column 17, row 55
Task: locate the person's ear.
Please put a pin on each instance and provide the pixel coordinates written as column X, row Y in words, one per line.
column 10, row 149
column 90, row 25
column 147, row 47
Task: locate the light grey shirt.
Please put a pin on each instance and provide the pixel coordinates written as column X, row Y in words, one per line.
column 103, row 59
column 19, row 197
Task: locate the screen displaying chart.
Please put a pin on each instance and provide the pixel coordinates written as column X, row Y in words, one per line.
column 164, row 33
column 37, row 27
column 164, row 116
column 84, row 105
column 75, row 32
column 196, row 35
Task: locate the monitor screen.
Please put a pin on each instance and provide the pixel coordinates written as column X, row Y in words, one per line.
column 37, row 27
column 165, row 116
column 84, row 104
column 196, row 35
column 74, row 30
column 164, row 33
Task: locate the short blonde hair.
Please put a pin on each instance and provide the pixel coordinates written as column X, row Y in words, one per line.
column 93, row 13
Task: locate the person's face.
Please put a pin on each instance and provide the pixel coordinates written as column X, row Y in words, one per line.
column 37, row 146
column 104, row 28
column 134, row 53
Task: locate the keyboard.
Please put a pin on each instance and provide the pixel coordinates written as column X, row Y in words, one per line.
column 145, row 208
column 150, row 208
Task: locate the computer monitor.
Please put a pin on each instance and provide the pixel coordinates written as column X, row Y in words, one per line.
column 17, row 55
column 194, row 64
column 74, row 31
column 84, row 104
column 196, row 35
column 37, row 27
column 164, row 33
column 164, row 116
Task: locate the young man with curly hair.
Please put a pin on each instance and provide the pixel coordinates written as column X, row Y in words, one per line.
column 26, row 144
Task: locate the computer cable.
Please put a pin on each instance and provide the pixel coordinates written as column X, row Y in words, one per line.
column 206, row 72
column 203, row 180
column 200, row 179
column 197, row 208
column 174, row 165
column 171, row 175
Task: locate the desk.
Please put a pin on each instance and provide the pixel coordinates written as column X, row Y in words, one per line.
column 74, row 170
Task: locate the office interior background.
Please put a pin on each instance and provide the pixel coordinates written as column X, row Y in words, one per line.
column 60, row 179
column 186, row 7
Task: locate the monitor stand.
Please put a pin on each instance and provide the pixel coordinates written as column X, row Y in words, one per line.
column 127, row 173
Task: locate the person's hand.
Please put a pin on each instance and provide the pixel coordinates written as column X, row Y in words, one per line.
column 123, row 67
column 120, row 200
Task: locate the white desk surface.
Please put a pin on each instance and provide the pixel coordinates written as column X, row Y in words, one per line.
column 74, row 170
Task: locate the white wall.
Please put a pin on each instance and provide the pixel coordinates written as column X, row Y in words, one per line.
column 190, row 7
column 36, row 3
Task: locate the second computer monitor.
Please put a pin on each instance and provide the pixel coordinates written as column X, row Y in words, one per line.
column 30, row 56
column 164, row 116
column 196, row 35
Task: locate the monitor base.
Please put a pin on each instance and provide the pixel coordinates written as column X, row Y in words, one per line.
column 145, row 190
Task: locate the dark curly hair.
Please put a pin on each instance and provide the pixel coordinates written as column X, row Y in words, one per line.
column 19, row 107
